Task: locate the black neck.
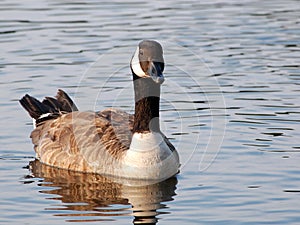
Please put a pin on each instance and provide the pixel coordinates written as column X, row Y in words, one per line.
column 147, row 96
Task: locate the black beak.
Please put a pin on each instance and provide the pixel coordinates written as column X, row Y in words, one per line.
column 156, row 72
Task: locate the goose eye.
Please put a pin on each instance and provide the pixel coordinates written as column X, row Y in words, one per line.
column 141, row 52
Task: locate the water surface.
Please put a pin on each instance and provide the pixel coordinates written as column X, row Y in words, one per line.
column 230, row 104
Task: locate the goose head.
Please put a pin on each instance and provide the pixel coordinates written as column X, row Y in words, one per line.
column 148, row 61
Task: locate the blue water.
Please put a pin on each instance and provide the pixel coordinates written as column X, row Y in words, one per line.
column 230, row 105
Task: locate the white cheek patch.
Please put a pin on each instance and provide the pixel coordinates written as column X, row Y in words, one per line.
column 136, row 66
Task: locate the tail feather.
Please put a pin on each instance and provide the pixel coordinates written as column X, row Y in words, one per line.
column 34, row 107
column 66, row 102
column 49, row 108
column 53, row 103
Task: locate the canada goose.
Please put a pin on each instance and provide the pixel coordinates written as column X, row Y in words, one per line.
column 111, row 141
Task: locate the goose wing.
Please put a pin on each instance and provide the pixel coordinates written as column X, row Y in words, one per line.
column 84, row 141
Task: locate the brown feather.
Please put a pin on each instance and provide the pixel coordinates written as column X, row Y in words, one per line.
column 76, row 140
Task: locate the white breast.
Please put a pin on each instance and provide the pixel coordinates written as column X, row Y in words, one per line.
column 150, row 156
column 148, row 141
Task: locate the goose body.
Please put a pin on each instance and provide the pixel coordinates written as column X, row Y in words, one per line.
column 110, row 142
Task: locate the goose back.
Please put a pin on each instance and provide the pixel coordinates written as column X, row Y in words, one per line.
column 84, row 141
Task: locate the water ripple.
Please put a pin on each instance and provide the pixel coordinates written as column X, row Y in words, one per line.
column 250, row 86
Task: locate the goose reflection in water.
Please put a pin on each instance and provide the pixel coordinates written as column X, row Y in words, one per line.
column 92, row 197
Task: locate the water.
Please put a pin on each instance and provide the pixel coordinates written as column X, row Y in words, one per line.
column 230, row 104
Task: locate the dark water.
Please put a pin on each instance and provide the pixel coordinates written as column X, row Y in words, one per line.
column 230, row 104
